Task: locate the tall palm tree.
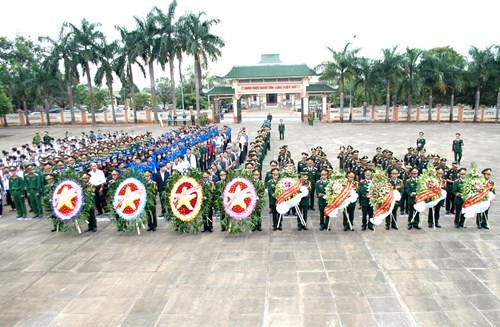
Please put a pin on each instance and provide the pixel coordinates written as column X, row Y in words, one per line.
column 86, row 41
column 126, row 57
column 342, row 67
column 169, row 44
column 180, row 49
column 480, row 68
column 389, row 70
column 410, row 83
column 148, row 44
column 432, row 75
column 44, row 84
column 105, row 70
column 366, row 80
column 202, row 45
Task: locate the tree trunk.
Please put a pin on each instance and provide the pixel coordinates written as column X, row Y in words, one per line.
column 498, row 107
column 429, row 115
column 410, row 104
column 476, row 109
column 5, row 124
column 26, row 114
column 181, row 79
column 172, row 85
column 341, row 107
column 91, row 96
column 365, row 105
column 113, row 112
column 153, row 90
column 71, row 101
column 197, row 86
column 387, row 102
column 46, row 102
column 452, row 103
column 132, row 91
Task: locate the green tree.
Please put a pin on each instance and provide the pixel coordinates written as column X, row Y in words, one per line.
column 432, row 75
column 480, row 69
column 86, row 40
column 389, row 71
column 366, row 80
column 201, row 44
column 105, row 70
column 410, row 85
column 342, row 67
column 5, row 105
column 143, row 100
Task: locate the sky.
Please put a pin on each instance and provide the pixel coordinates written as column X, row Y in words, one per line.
column 300, row 31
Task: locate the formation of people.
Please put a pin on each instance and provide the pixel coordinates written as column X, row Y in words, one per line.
column 101, row 159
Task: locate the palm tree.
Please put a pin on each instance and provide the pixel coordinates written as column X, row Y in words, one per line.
column 86, row 41
column 126, row 57
column 341, row 68
column 389, row 70
column 480, row 69
column 148, row 43
column 366, row 80
column 410, row 84
column 105, row 69
column 432, row 75
column 62, row 49
column 169, row 45
column 202, row 45
column 44, row 84
column 180, row 48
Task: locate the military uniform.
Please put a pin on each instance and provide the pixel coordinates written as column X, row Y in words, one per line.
column 450, row 176
column 208, row 190
column 434, row 213
column 281, row 129
column 320, row 193
column 271, row 187
column 34, row 188
column 312, row 174
column 482, row 218
column 364, row 201
column 151, row 212
column 411, row 190
column 304, row 204
column 348, row 213
column 457, row 149
column 17, row 188
column 457, row 191
column 397, row 185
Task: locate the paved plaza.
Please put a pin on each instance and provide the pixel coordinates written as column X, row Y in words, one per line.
column 445, row 277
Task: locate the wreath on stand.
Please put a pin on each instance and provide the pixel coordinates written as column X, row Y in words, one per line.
column 127, row 201
column 183, row 199
column 241, row 199
column 67, row 201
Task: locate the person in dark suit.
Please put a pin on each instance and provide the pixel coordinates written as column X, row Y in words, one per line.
column 161, row 179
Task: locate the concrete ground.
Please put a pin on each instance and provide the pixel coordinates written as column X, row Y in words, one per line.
column 446, row 277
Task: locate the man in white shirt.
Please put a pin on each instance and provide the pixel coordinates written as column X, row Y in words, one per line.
column 191, row 158
column 97, row 179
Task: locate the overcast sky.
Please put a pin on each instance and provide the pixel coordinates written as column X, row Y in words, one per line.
column 299, row 30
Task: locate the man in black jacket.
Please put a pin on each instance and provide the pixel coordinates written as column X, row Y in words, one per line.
column 161, row 179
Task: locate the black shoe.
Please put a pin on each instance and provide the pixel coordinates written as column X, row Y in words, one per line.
column 431, row 225
column 222, row 229
column 30, row 211
column 280, row 228
column 370, row 227
column 395, row 227
column 402, row 213
column 150, row 229
column 346, row 229
column 387, row 227
column 447, row 212
column 363, row 227
column 410, row 226
column 89, row 230
column 485, row 227
column 259, row 228
column 299, row 228
column 305, row 228
column 478, row 226
column 322, row 228
column 417, row 227
column 100, row 213
column 457, row 225
column 204, row 230
column 270, row 211
column 254, row 229
column 210, row 229
column 311, row 208
column 275, row 228
column 53, row 230
column 438, row 226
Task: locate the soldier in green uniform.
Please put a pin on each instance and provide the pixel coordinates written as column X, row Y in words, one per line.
column 397, row 185
column 364, row 200
column 302, row 164
column 482, row 219
column 34, row 188
column 281, row 129
column 312, row 174
column 434, row 213
column 320, row 193
column 208, row 190
column 342, row 156
column 420, row 142
column 92, row 223
column 259, row 188
column 219, row 190
column 17, row 188
column 457, row 191
column 304, row 202
column 152, row 190
column 271, row 187
column 348, row 214
column 411, row 190
column 451, row 175
column 457, row 145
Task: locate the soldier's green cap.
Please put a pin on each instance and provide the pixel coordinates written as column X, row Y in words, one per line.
column 12, row 168
column 305, row 154
column 486, row 170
